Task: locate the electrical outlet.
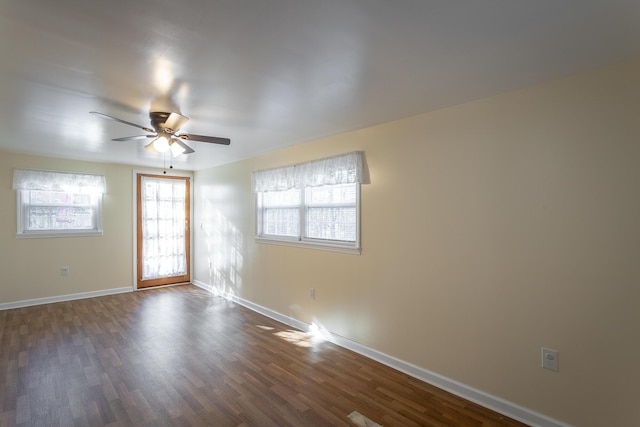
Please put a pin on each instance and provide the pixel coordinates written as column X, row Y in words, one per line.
column 312, row 293
column 64, row 271
column 550, row 359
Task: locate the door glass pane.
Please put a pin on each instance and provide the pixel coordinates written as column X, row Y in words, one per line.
column 163, row 227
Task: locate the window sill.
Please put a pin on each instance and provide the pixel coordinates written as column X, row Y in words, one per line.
column 49, row 234
column 311, row 245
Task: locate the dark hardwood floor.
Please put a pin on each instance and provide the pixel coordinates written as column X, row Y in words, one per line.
column 180, row 356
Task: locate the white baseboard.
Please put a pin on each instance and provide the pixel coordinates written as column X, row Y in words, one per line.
column 497, row 404
column 61, row 298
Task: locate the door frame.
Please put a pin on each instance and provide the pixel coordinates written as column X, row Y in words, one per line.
column 134, row 258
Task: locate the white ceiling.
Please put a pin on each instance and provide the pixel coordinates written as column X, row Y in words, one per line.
column 269, row 74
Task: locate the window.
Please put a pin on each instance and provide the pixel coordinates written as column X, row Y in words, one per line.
column 56, row 204
column 331, row 213
column 313, row 204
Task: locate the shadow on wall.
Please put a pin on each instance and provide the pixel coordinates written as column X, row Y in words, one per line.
column 224, row 253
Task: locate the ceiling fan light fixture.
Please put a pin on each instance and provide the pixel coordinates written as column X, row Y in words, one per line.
column 176, row 149
column 161, row 144
column 150, row 149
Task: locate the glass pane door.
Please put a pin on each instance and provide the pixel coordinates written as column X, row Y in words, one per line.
column 163, row 230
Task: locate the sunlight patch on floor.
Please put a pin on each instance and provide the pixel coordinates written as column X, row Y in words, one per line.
column 360, row 420
column 315, row 335
column 299, row 338
column 320, row 333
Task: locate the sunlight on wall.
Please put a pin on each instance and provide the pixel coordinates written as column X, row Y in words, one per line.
column 224, row 252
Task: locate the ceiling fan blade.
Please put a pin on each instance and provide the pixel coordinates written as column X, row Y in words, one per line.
column 133, row 138
column 204, row 138
column 187, row 149
column 105, row 116
column 175, row 122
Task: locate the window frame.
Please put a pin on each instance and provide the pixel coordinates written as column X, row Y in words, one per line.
column 307, row 242
column 22, row 216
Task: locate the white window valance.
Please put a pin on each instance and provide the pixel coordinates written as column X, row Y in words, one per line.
column 68, row 182
column 343, row 169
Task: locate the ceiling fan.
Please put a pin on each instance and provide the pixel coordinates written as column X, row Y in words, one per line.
column 164, row 131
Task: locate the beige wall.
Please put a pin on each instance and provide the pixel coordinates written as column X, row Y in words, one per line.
column 31, row 267
column 489, row 230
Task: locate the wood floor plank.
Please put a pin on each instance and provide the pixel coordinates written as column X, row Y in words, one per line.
column 180, row 356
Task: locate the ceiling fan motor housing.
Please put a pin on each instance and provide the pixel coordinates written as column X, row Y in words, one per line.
column 158, row 120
